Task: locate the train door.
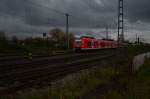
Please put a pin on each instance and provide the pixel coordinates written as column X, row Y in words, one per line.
column 102, row 44
column 96, row 44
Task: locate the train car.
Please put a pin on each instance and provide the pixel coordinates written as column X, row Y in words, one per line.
column 90, row 43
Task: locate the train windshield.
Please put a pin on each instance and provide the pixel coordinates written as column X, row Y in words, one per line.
column 77, row 36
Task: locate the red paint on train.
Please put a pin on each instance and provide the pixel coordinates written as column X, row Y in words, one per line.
column 89, row 43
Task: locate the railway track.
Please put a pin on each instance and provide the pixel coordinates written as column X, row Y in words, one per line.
column 35, row 62
column 13, row 58
column 49, row 70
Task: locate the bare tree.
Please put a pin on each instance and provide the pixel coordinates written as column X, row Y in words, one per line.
column 2, row 36
column 15, row 39
column 58, row 37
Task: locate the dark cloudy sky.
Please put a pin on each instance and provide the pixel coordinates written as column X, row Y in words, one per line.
column 32, row 17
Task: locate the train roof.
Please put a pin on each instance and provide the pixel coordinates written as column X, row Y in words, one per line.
column 87, row 37
column 81, row 36
column 108, row 39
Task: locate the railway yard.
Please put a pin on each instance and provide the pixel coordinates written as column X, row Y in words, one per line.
column 74, row 49
column 17, row 73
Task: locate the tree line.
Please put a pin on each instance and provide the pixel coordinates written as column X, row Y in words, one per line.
column 54, row 40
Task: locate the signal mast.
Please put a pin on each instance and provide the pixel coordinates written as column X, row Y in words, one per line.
column 120, row 21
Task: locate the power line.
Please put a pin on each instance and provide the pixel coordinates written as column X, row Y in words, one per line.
column 27, row 13
column 52, row 9
column 57, row 11
column 47, row 9
column 90, row 5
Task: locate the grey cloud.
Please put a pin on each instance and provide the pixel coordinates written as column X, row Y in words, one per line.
column 84, row 12
column 137, row 10
column 40, row 15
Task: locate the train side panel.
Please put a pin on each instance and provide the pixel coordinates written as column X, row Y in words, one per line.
column 89, row 43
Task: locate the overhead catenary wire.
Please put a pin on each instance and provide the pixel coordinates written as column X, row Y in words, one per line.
column 87, row 22
column 49, row 11
column 52, row 9
column 73, row 17
column 24, row 13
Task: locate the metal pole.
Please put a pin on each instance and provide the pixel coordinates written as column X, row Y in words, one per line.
column 123, row 38
column 107, row 37
column 136, row 39
column 67, row 30
column 118, row 20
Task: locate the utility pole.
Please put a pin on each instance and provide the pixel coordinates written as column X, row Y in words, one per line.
column 120, row 21
column 107, row 35
column 136, row 39
column 67, row 31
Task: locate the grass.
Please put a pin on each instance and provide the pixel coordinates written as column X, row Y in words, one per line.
column 137, row 85
column 132, row 51
column 73, row 88
column 86, row 83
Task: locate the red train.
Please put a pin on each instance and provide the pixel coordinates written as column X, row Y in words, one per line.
column 90, row 43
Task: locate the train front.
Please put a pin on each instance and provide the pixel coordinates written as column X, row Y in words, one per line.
column 77, row 43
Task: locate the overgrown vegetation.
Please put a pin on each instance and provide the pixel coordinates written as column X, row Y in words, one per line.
column 73, row 87
column 86, row 83
column 132, row 85
column 137, row 49
column 137, row 85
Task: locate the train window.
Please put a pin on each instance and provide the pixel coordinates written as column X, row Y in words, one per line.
column 89, row 44
column 78, row 43
column 107, row 44
column 103, row 44
column 95, row 43
column 110, row 45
